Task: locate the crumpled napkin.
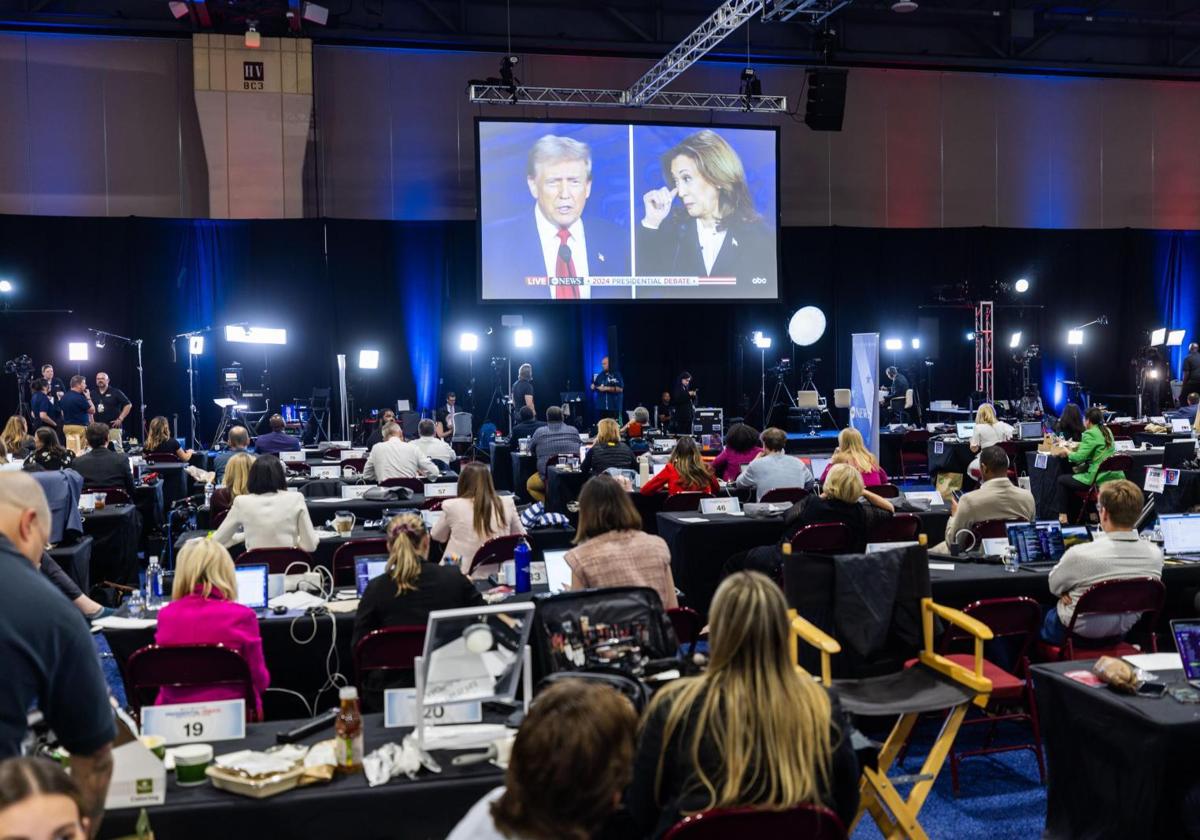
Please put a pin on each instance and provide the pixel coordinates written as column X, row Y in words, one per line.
column 389, row 761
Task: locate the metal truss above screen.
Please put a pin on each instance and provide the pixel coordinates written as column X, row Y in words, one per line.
column 1157, row 38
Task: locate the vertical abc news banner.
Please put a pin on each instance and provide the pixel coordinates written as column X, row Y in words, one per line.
column 864, row 388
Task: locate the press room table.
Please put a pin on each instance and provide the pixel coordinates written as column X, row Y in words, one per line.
column 176, row 483
column 1043, row 481
column 699, row 549
column 1117, row 766
column 295, row 647
column 1181, row 497
column 115, row 531
column 76, row 561
column 956, row 456
column 523, row 467
column 501, row 465
column 403, row 809
column 564, row 486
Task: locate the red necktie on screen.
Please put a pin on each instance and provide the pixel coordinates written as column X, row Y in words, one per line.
column 565, row 267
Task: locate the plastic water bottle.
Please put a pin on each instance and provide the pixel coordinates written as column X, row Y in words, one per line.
column 643, row 470
column 521, row 558
column 153, row 583
column 208, row 494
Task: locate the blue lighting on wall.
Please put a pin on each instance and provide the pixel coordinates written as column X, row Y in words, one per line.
column 421, row 259
column 1176, row 258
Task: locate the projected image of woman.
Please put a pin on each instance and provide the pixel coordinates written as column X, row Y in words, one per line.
column 715, row 230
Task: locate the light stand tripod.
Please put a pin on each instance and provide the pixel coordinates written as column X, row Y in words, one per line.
column 192, row 412
column 781, row 388
column 137, row 344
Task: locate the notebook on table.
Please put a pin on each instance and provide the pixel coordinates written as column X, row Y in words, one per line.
column 558, row 573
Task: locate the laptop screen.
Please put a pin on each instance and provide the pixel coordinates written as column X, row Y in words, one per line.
column 1187, row 642
column 252, row 586
column 366, row 568
column 818, row 466
column 1037, row 542
column 965, row 430
column 558, row 573
column 1031, row 430
column 1181, row 533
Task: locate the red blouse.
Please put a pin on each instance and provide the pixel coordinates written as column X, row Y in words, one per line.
column 674, row 484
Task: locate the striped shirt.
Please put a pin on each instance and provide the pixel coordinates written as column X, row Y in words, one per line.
column 554, row 439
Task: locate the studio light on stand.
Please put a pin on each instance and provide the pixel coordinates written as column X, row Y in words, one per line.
column 523, row 338
column 1075, row 341
column 368, row 359
column 469, row 343
column 102, row 338
column 244, row 333
column 195, row 347
column 6, row 287
column 763, row 343
column 1175, row 338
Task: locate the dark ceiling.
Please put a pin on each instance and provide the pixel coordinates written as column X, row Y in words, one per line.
column 1158, row 38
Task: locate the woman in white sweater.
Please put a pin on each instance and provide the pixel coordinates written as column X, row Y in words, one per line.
column 268, row 515
column 478, row 514
column 988, row 432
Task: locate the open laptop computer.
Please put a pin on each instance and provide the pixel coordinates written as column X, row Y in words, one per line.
column 252, row 586
column 1181, row 536
column 1187, row 642
column 964, row 430
column 818, row 465
column 1031, row 430
column 1036, row 545
column 558, row 573
column 367, row 567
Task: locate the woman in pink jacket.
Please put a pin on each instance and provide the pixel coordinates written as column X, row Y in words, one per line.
column 204, row 611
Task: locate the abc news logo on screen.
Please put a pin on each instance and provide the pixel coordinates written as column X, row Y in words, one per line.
column 253, row 75
column 858, row 412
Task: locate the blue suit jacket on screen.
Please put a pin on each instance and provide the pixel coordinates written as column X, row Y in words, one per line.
column 512, row 251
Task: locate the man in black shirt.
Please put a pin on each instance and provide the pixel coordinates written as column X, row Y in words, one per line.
column 112, row 406
column 54, row 385
column 522, row 391
column 49, row 657
column 386, row 416
column 527, row 425
column 100, row 466
column 1191, row 373
column 444, row 417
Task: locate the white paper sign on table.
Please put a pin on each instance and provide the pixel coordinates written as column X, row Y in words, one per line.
column 939, row 447
column 1155, row 481
column 185, row 723
column 400, row 709
column 1040, row 460
column 721, row 504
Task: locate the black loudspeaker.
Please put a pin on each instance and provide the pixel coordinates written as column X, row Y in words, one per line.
column 826, row 99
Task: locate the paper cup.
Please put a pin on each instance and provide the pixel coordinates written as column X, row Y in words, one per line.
column 157, row 744
column 191, row 761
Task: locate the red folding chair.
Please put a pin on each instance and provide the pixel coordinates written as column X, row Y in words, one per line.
column 784, row 494
column 1089, row 496
column 113, row 495
column 1015, row 462
column 388, row 649
column 298, row 467
column 495, row 551
column 1020, row 621
column 823, row 538
column 991, row 529
column 914, row 454
column 343, row 558
column 433, row 504
column 332, row 453
column 356, row 464
column 186, row 666
column 687, row 624
column 1109, row 597
column 685, row 502
column 886, row 491
column 811, row 822
column 414, row 484
column 276, row 559
column 902, row 527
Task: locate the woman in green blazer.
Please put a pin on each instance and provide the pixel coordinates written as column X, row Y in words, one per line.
column 1094, row 447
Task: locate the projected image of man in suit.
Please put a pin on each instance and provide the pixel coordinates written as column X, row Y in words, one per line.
column 555, row 240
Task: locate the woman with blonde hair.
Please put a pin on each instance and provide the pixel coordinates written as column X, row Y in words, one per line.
column 851, row 450
column 16, row 438
column 717, row 232
column 843, row 498
column 160, row 442
column 477, row 515
column 409, row 588
column 989, row 431
column 237, row 475
column 686, row 472
column 204, row 610
column 608, row 451
column 752, row 731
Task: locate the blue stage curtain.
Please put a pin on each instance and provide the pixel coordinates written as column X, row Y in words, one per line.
column 593, row 331
column 424, row 262
column 1176, row 259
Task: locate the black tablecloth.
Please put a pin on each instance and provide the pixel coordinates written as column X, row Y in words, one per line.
column 150, row 502
column 292, row 665
column 955, row 456
column 76, row 561
column 115, row 531
column 1118, row 766
column 523, row 467
column 1043, row 482
column 1156, row 439
column 322, row 510
column 501, row 466
column 889, row 453
column 699, row 549
column 176, row 483
column 403, row 809
column 1182, row 497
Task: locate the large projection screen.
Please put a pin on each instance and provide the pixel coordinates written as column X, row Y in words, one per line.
column 574, row 211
